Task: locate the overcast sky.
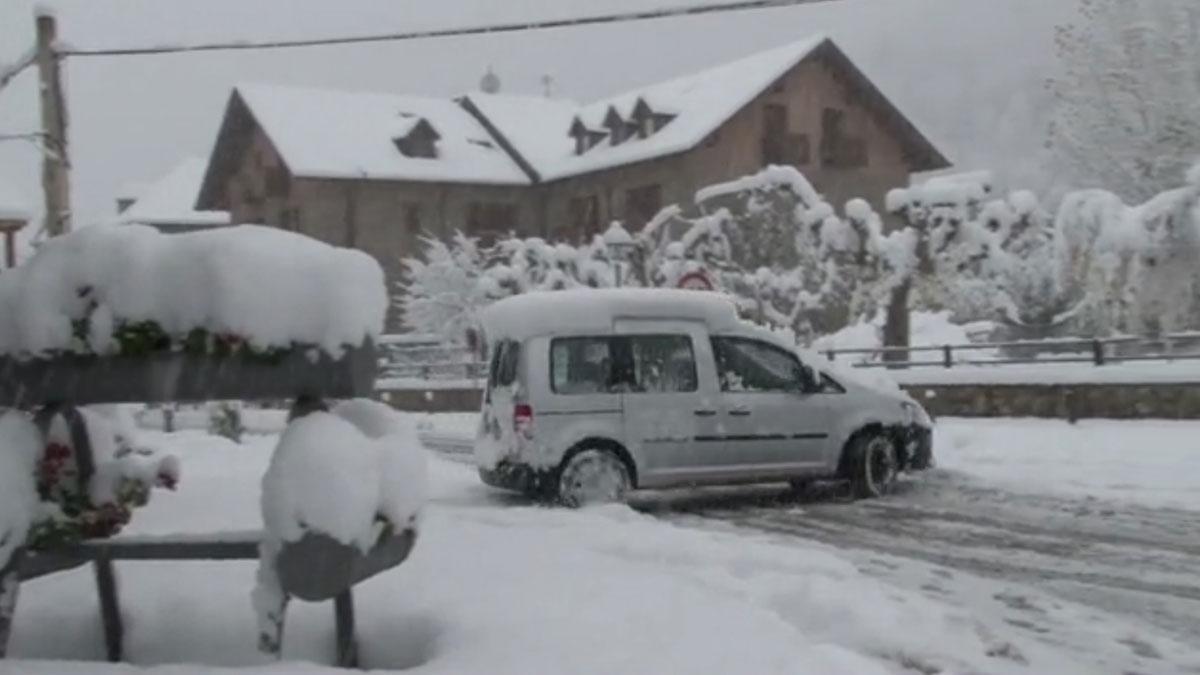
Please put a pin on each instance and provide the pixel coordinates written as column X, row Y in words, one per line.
column 969, row 72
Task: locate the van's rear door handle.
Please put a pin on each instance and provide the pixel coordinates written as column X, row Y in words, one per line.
column 740, row 412
column 706, row 413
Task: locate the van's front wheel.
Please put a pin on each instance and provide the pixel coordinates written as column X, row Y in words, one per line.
column 593, row 477
column 872, row 465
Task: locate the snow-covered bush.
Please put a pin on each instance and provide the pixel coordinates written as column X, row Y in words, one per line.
column 132, row 290
column 125, row 471
column 225, row 420
column 1131, row 269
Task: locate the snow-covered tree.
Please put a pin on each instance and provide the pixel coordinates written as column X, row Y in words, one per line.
column 1127, row 97
column 1131, row 269
column 444, row 291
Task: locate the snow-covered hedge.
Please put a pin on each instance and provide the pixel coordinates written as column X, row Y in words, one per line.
column 792, row 262
column 130, row 289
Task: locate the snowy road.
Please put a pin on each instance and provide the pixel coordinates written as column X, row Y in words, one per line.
column 1122, row 562
column 1041, row 524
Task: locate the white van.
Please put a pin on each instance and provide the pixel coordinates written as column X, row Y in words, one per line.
column 592, row 393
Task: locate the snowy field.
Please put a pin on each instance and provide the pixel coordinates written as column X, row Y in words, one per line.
column 1037, row 547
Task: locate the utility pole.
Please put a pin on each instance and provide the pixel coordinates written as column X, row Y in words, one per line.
column 56, row 162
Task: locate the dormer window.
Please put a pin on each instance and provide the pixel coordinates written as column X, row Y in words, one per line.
column 420, row 141
column 646, row 121
column 585, row 138
column 618, row 129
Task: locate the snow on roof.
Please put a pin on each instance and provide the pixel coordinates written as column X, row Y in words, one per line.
column 171, row 200
column 336, row 134
column 536, row 126
column 13, row 206
column 584, row 310
column 700, row 103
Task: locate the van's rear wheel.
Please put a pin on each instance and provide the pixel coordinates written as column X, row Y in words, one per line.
column 593, row 477
column 872, row 465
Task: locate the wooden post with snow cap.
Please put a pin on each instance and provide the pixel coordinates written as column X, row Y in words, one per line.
column 55, row 159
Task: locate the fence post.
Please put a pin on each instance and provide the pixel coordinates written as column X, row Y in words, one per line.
column 1098, row 352
column 947, row 359
column 831, row 354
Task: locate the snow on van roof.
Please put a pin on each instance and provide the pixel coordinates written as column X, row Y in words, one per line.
column 581, row 310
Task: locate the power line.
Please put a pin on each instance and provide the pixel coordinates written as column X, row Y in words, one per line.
column 621, row 17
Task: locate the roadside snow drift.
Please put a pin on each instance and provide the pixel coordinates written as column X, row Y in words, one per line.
column 263, row 285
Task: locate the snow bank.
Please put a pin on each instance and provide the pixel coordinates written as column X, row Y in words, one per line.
column 20, row 447
column 269, row 287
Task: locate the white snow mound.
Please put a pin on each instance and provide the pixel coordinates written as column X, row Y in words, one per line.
column 269, row 287
column 20, row 447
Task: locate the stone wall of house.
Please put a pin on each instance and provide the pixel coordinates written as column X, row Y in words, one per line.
column 1107, row 401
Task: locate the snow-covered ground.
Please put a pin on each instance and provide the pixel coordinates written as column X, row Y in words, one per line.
column 708, row 581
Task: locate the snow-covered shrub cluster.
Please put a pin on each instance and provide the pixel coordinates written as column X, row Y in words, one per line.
column 1132, row 269
column 356, row 474
column 125, row 471
column 794, row 263
column 130, row 289
column 43, row 497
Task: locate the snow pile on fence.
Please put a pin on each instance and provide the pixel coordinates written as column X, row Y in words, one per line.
column 339, row 472
column 355, row 474
column 20, row 444
column 264, row 286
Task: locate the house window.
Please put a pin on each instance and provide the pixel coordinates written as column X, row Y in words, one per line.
column 838, row 150
column 412, row 218
column 584, row 216
column 642, row 204
column 775, row 128
column 491, row 220
column 276, row 181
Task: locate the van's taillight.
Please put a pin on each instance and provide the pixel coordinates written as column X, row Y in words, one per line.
column 523, row 419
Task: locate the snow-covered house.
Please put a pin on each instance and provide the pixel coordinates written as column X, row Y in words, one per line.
column 169, row 203
column 377, row 170
column 14, row 215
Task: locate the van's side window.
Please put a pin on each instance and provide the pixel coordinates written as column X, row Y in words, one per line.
column 581, row 365
column 613, row 365
column 663, row 363
column 752, row 366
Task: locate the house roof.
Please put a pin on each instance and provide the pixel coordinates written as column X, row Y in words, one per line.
column 13, row 206
column 517, row 140
column 336, row 134
column 701, row 102
column 171, row 199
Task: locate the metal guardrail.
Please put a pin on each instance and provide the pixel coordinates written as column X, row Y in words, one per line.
column 1097, row 351
column 428, row 358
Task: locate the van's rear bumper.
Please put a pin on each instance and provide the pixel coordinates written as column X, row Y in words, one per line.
column 520, row 477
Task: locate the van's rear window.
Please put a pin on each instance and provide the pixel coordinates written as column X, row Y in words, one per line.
column 503, row 370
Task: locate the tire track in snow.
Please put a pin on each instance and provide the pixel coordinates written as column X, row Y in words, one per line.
column 1125, row 561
